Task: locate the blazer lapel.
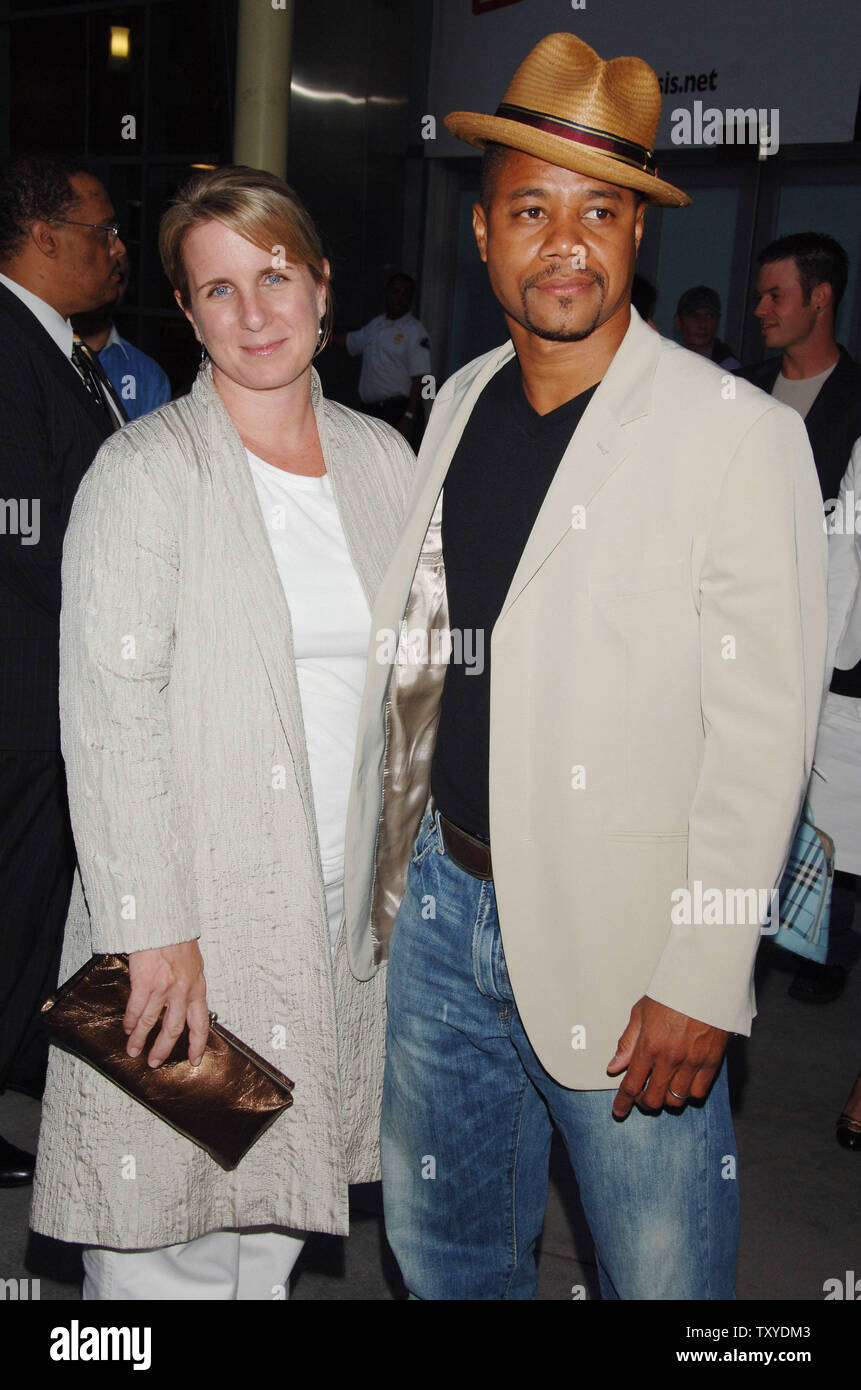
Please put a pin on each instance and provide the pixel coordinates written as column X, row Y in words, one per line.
column 60, row 367
column 435, row 456
column 347, row 491
column 248, row 552
column 831, row 399
column 599, row 445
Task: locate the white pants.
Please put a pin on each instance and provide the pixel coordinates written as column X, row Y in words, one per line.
column 220, row 1265
column 835, row 785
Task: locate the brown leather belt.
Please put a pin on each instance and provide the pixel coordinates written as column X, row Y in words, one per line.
column 468, row 853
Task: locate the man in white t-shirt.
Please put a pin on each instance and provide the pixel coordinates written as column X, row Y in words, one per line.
column 395, row 351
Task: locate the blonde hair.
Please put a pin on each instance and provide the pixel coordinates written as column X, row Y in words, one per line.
column 256, row 205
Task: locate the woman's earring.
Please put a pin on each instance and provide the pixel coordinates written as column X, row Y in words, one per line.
column 203, row 353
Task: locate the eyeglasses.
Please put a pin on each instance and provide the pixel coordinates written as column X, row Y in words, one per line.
column 111, row 230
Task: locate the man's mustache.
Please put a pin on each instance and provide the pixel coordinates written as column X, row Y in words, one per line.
column 555, row 272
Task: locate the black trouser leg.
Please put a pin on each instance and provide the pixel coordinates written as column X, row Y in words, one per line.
column 37, row 863
column 844, row 945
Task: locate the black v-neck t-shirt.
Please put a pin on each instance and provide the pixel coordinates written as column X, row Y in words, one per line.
column 498, row 479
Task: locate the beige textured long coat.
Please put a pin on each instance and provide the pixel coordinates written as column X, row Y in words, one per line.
column 192, row 809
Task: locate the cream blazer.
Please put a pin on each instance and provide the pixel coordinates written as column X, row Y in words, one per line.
column 193, row 815
column 656, row 678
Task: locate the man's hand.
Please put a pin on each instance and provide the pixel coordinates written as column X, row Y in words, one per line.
column 169, row 978
column 660, row 1049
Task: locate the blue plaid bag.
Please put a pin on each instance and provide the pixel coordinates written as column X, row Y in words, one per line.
column 805, row 892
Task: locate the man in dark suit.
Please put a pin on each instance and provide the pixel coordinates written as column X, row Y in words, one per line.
column 59, row 255
column 799, row 287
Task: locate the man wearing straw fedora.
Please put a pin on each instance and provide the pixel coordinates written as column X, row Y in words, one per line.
column 640, row 539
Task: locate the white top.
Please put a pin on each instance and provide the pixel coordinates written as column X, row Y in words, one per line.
column 843, row 526
column 51, row 320
column 800, row 393
column 331, row 625
column 393, row 352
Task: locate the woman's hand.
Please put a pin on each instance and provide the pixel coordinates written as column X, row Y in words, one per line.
column 169, row 978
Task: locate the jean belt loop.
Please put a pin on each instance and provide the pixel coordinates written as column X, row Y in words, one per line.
column 435, row 813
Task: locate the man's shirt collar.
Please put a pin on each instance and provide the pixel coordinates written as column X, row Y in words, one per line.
column 114, row 340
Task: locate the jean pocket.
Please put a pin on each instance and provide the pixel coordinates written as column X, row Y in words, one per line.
column 426, row 839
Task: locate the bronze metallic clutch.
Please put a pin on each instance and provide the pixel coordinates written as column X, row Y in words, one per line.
column 223, row 1105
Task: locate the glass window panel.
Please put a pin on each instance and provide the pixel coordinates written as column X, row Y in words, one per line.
column 116, row 82
column 348, row 135
column 48, row 96
column 696, row 249
column 162, row 182
column 192, row 76
column 123, row 182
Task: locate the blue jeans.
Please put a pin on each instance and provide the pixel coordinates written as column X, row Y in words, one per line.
column 468, row 1112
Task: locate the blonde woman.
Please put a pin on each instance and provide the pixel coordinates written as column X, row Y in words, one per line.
column 219, row 569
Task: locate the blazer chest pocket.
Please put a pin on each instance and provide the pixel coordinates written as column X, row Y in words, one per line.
column 637, row 582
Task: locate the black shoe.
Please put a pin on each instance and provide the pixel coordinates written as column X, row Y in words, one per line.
column 16, row 1166
column 818, row 984
column 849, row 1132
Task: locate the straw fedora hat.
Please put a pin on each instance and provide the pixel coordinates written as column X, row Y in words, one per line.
column 567, row 106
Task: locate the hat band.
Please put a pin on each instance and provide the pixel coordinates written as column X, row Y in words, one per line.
column 625, row 150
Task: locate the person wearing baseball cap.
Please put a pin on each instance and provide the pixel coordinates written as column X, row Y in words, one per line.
column 561, row 810
column 696, row 318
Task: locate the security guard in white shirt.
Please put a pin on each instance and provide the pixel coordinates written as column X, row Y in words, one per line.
column 395, row 351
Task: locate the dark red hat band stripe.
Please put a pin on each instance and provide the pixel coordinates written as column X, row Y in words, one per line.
column 625, row 150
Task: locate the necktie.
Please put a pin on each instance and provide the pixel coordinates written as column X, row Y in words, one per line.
column 97, row 383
